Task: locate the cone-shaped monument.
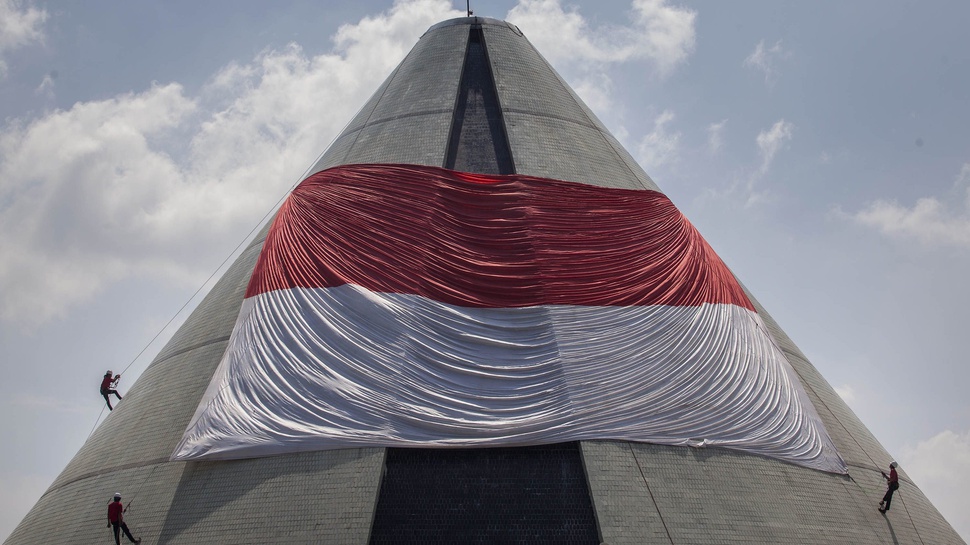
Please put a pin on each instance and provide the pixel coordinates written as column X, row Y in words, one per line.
column 478, row 320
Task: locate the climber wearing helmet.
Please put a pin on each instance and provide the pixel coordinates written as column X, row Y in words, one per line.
column 893, row 481
column 108, row 384
column 116, row 520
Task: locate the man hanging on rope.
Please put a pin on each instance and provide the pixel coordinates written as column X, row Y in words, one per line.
column 108, row 384
column 116, row 520
column 893, row 480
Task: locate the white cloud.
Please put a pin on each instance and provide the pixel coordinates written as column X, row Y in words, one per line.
column 771, row 141
column 46, row 87
column 833, row 156
column 20, row 25
column 657, row 32
column 715, row 135
column 940, row 466
column 930, row 221
column 150, row 183
column 962, row 182
column 764, row 59
column 80, row 187
column 846, row 392
column 747, row 187
column 596, row 90
column 660, row 147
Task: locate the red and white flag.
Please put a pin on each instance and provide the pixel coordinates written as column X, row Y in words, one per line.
column 413, row 306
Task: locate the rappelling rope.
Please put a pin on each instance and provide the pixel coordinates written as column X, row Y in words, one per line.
column 96, row 422
column 260, row 223
column 898, row 493
column 763, row 328
column 143, row 481
column 179, row 311
column 654, row 500
column 127, row 506
column 233, row 252
column 910, row 516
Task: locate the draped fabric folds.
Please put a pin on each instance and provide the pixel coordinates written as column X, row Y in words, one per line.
column 413, row 306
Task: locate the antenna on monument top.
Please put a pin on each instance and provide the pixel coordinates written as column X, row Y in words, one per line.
column 468, row 8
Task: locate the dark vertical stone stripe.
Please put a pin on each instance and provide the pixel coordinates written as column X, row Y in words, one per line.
column 529, row 495
column 522, row 495
column 478, row 142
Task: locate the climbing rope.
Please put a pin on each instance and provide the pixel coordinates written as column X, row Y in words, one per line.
column 650, row 492
column 913, row 524
column 807, row 385
column 261, row 222
column 138, row 489
column 96, row 422
column 771, row 338
column 899, row 495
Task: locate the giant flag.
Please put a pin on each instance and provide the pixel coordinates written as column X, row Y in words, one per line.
column 403, row 305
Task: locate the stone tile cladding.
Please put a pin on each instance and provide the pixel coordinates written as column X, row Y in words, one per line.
column 478, row 142
column 500, row 495
column 718, row 496
column 641, row 493
column 303, row 498
column 551, row 132
column 408, row 120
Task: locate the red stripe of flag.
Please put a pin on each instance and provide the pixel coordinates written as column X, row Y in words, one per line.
column 487, row 241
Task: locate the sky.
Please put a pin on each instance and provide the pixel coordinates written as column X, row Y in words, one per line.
column 822, row 148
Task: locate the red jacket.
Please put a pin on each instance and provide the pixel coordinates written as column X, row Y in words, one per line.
column 106, row 383
column 114, row 511
column 893, row 477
